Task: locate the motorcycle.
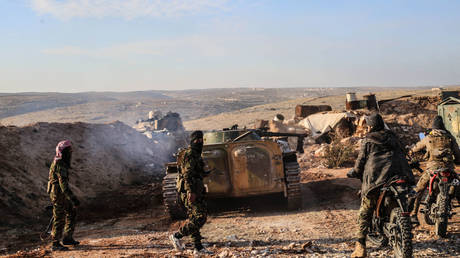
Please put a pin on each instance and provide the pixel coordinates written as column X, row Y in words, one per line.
column 438, row 206
column 391, row 219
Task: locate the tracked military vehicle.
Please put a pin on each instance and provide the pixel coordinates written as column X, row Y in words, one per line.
column 242, row 163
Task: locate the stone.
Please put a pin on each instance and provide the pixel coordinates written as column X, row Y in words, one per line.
column 232, row 237
column 224, row 254
column 306, row 245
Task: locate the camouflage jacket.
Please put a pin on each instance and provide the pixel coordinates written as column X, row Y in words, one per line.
column 191, row 173
column 380, row 159
column 441, row 149
column 59, row 180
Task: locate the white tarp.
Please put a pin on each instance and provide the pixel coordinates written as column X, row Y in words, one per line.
column 321, row 123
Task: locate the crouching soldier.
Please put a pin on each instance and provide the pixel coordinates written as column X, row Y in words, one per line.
column 192, row 193
column 63, row 200
column 442, row 151
column 380, row 159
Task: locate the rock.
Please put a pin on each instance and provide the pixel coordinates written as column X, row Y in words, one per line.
column 266, row 250
column 254, row 252
column 306, row 245
column 224, row 254
column 308, row 250
column 291, row 246
column 232, row 237
column 321, row 151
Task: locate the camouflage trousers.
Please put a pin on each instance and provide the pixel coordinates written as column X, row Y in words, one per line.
column 368, row 205
column 419, row 189
column 197, row 213
column 64, row 214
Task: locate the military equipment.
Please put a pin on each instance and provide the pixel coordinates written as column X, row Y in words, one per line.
column 449, row 110
column 243, row 163
column 45, row 235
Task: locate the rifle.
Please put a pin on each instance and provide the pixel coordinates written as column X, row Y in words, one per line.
column 44, row 236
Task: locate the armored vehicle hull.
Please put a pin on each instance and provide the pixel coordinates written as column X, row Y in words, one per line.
column 248, row 166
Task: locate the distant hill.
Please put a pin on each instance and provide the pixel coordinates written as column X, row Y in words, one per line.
column 128, row 107
column 247, row 117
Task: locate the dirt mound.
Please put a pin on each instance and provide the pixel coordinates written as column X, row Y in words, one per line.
column 105, row 158
column 410, row 116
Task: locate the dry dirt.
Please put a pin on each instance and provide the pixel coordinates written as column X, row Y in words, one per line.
column 106, row 157
column 122, row 215
column 257, row 227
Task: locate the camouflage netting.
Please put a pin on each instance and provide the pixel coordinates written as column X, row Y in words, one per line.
column 105, row 157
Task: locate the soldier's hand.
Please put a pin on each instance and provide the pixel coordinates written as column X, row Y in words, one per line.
column 351, row 173
column 191, row 197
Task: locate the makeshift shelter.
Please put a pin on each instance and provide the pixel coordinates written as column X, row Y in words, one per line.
column 322, row 123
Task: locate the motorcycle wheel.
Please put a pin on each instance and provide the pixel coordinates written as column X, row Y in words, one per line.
column 442, row 202
column 429, row 212
column 402, row 244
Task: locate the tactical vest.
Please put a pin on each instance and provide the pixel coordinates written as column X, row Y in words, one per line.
column 440, row 147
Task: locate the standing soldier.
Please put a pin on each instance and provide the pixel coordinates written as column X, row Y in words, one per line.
column 192, row 193
column 64, row 201
column 381, row 158
column 442, row 152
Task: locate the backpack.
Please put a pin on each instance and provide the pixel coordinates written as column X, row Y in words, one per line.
column 441, row 146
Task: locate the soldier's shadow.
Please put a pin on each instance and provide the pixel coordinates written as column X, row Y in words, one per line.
column 120, row 247
column 329, row 194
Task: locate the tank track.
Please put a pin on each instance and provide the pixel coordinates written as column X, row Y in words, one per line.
column 294, row 195
column 171, row 198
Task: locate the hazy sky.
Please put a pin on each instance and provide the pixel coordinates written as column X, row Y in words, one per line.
column 121, row 45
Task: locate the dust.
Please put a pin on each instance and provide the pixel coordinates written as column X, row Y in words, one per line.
column 106, row 157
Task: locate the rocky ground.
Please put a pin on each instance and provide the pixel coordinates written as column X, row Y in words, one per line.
column 252, row 227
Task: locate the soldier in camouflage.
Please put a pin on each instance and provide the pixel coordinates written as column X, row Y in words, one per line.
column 442, row 151
column 192, row 194
column 380, row 159
column 63, row 200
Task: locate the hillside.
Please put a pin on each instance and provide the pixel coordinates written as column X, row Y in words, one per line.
column 247, row 116
column 105, row 157
column 102, row 107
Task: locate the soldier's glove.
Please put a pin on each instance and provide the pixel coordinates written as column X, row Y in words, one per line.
column 352, row 173
column 191, row 197
column 75, row 201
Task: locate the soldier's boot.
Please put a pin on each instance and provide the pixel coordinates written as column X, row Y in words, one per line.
column 176, row 242
column 58, row 247
column 414, row 212
column 69, row 241
column 360, row 249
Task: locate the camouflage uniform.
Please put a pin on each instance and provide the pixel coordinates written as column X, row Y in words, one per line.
column 61, row 196
column 381, row 158
column 191, row 181
column 442, row 151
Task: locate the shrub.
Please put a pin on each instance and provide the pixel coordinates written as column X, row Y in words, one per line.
column 338, row 154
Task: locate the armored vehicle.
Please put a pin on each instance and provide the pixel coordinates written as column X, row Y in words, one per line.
column 242, row 163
